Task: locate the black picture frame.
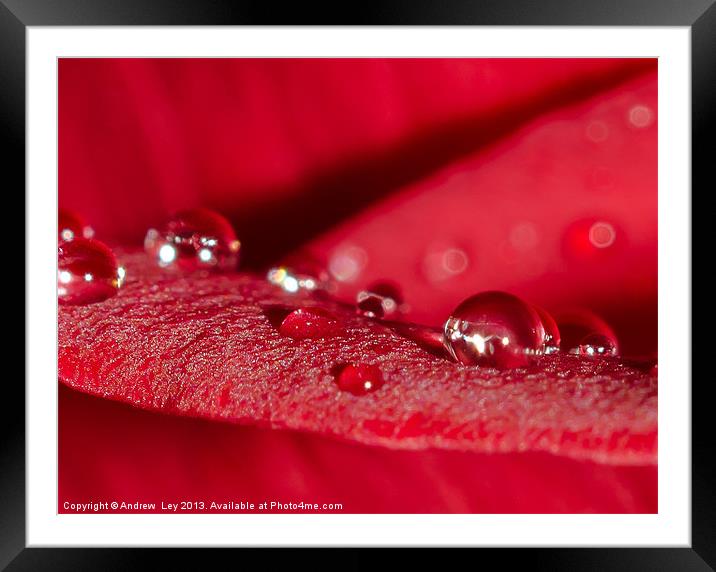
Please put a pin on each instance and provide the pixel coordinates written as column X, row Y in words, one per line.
column 699, row 15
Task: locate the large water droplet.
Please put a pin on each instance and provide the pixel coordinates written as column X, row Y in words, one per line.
column 309, row 323
column 379, row 300
column 70, row 225
column 196, row 239
column 87, row 272
column 494, row 329
column 552, row 337
column 597, row 345
column 359, row 379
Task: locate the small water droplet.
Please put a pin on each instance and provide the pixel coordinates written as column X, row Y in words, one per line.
column 552, row 337
column 379, row 300
column 494, row 329
column 577, row 324
column 597, row 345
column 359, row 379
column 309, row 323
column 70, row 225
column 654, row 370
column 196, row 239
column 87, row 272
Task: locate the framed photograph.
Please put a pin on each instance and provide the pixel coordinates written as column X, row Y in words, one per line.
column 421, row 278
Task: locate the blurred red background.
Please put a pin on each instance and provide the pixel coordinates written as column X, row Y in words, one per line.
column 447, row 176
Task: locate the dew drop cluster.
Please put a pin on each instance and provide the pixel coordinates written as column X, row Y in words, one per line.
column 490, row 329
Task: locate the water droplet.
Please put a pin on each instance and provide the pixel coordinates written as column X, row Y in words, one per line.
column 654, row 370
column 494, row 329
column 379, row 300
column 597, row 345
column 551, row 331
column 359, row 379
column 87, row 272
column 309, row 323
column 196, row 239
column 576, row 324
column 641, row 116
column 70, row 225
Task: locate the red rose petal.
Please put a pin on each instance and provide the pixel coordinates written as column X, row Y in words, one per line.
column 198, row 348
column 204, row 347
column 110, row 450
